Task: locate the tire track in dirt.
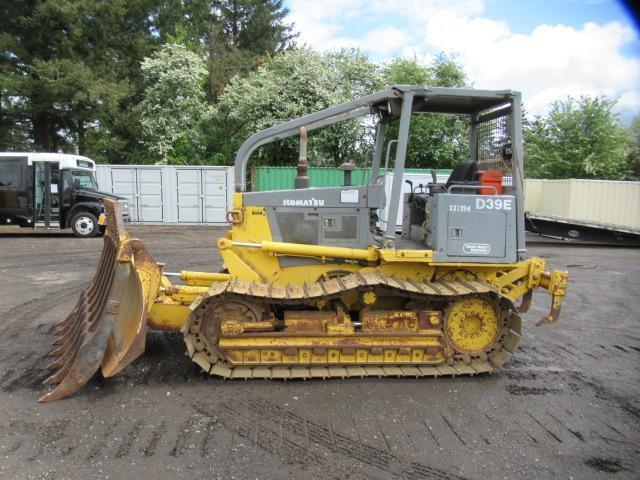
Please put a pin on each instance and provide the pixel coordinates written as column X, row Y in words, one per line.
column 622, row 402
column 102, row 442
column 24, row 369
column 26, row 313
column 156, row 436
column 278, row 432
column 266, row 438
column 378, row 458
column 127, row 442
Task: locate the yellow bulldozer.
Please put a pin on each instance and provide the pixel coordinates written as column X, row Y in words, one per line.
column 326, row 282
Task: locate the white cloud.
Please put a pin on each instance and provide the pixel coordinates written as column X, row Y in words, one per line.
column 320, row 24
column 546, row 64
column 553, row 61
column 386, row 40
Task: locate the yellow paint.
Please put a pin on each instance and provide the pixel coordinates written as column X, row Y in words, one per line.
column 247, row 263
column 262, row 341
column 472, row 325
column 319, row 251
column 203, row 279
column 392, row 255
column 167, row 317
column 369, row 298
column 416, row 271
column 254, row 227
column 263, row 265
column 239, row 268
column 237, row 200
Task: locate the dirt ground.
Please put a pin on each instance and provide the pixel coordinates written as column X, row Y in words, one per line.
column 567, row 406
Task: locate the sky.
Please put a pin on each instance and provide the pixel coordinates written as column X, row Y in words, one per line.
column 546, row 49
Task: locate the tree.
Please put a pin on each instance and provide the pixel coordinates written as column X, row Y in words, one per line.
column 70, row 70
column 67, row 70
column 633, row 158
column 435, row 141
column 242, row 34
column 173, row 104
column 578, row 138
column 289, row 85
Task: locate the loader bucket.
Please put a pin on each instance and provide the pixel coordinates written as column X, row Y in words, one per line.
column 107, row 328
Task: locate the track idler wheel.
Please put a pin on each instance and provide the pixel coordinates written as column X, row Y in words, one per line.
column 472, row 325
column 210, row 320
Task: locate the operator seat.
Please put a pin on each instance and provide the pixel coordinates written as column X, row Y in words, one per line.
column 462, row 174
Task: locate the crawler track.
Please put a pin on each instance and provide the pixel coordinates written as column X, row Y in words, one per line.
column 215, row 362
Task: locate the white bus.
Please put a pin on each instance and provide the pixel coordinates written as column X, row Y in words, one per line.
column 52, row 190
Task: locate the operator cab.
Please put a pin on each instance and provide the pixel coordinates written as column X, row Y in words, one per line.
column 52, row 190
column 476, row 216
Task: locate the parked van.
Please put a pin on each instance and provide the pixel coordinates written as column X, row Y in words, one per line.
column 52, row 190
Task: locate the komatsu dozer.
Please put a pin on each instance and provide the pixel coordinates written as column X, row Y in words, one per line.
column 317, row 282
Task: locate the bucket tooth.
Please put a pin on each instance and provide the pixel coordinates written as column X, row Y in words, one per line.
column 84, row 317
column 89, row 295
column 58, row 352
column 62, row 324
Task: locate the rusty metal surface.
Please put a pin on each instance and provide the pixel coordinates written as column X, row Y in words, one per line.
column 107, row 328
column 301, row 355
column 82, row 337
column 307, row 322
column 556, row 283
column 393, row 321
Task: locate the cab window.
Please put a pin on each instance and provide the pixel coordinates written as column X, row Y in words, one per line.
column 10, row 173
column 85, row 178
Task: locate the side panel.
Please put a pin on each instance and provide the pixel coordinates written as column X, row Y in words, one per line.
column 189, row 187
column 473, row 228
column 150, row 195
column 348, row 227
column 359, row 196
column 337, row 216
column 123, row 181
column 214, row 184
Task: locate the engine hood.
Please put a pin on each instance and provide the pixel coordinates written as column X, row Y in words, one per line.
column 97, row 195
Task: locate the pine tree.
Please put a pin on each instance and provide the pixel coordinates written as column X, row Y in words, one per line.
column 242, row 34
column 70, row 70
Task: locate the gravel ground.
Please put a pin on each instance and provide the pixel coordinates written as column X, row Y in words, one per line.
column 566, row 406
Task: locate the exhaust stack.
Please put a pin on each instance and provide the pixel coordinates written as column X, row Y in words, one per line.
column 302, row 179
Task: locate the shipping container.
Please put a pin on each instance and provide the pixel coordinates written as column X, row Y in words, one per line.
column 282, row 178
column 171, row 194
column 601, row 201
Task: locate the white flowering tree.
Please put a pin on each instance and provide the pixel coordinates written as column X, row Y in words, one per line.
column 173, row 104
column 287, row 86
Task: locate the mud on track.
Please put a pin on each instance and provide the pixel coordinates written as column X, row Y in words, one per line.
column 566, row 406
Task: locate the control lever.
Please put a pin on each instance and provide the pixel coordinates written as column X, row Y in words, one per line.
column 410, row 184
column 411, row 187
